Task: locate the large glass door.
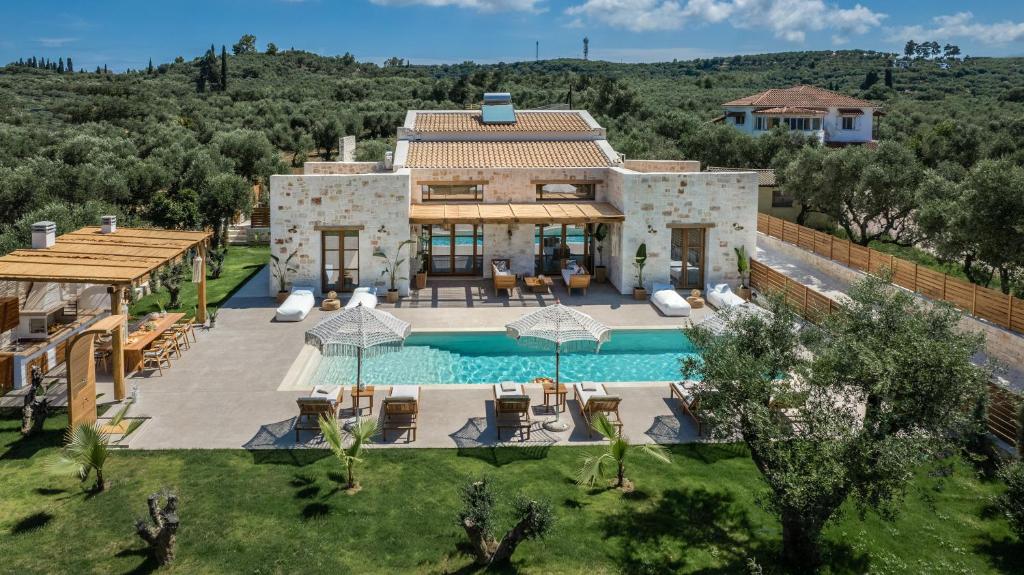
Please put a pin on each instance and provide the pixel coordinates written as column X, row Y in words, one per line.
column 340, row 260
column 688, row 258
column 456, row 249
column 554, row 243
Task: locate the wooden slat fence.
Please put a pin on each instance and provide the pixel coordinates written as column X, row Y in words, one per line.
column 1003, row 404
column 260, row 217
column 988, row 304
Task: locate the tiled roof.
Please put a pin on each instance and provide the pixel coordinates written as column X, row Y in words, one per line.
column 765, row 176
column 454, row 122
column 505, row 155
column 789, row 111
column 801, row 97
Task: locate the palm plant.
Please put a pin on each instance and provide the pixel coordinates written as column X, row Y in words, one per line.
column 85, row 451
column 595, row 466
column 360, row 433
column 282, row 268
column 639, row 261
column 391, row 266
column 742, row 264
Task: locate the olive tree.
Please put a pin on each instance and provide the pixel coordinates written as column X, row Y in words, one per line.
column 841, row 412
column 225, row 196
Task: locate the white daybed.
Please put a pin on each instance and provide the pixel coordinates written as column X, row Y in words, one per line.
column 722, row 297
column 362, row 296
column 297, row 306
column 668, row 301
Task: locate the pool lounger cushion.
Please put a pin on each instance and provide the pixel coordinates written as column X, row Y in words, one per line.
column 297, row 306
column 587, row 390
column 508, row 389
column 405, row 392
column 722, row 297
column 363, row 296
column 668, row 301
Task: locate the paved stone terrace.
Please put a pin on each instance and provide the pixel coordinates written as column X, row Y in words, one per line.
column 224, row 392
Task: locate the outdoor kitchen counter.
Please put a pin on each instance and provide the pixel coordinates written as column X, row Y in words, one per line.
column 44, row 353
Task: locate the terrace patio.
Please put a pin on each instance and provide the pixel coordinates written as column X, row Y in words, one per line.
column 233, row 389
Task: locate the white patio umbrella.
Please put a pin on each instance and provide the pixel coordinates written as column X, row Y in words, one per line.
column 358, row 332
column 565, row 328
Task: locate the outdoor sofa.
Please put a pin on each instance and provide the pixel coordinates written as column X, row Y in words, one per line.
column 722, row 297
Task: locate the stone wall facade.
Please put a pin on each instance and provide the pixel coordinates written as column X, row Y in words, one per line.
column 725, row 203
column 378, row 204
column 511, row 185
column 326, row 168
column 662, row 165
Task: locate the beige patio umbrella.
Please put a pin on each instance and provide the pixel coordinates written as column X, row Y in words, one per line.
column 358, row 332
column 563, row 328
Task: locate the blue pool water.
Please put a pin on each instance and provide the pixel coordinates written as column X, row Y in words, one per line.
column 490, row 357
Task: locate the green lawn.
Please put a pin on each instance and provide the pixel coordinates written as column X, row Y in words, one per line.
column 241, row 263
column 283, row 512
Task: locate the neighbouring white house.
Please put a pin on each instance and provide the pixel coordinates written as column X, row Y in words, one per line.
column 533, row 188
column 835, row 119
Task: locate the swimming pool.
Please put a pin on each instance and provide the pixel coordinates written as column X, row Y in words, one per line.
column 490, row 357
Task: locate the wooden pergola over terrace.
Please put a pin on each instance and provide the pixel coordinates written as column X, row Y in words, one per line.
column 524, row 213
column 119, row 259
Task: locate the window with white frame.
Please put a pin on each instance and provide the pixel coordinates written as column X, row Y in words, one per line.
column 760, row 123
column 849, row 122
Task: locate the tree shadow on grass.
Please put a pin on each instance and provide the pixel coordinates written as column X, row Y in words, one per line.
column 1005, row 554
column 148, row 566
column 658, row 538
column 27, row 447
column 710, row 452
column 31, row 523
column 294, row 457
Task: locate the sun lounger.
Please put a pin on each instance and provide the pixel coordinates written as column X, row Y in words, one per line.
column 688, row 400
column 502, row 276
column 322, row 401
column 362, row 296
column 593, row 399
column 401, row 409
column 722, row 297
column 668, row 301
column 575, row 277
column 512, row 408
column 297, row 306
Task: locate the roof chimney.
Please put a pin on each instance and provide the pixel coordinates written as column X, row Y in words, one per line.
column 44, row 235
column 108, row 224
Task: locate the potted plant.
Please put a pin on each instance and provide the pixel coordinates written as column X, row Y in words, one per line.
column 391, row 267
column 743, row 267
column 424, row 257
column 600, row 271
column 281, row 270
column 212, row 315
column 639, row 261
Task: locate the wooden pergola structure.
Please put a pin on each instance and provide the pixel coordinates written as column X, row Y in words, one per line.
column 120, row 259
column 521, row 213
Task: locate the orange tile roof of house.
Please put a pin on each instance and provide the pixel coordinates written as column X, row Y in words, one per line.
column 801, row 97
column 583, row 154
column 765, row 176
column 789, row 111
column 460, row 122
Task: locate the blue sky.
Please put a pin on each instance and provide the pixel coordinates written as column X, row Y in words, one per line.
column 126, row 34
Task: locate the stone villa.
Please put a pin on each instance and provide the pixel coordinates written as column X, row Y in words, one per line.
column 534, row 187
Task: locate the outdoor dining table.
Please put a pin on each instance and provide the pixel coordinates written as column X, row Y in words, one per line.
column 140, row 339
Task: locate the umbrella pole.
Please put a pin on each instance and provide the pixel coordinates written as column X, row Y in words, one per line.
column 556, row 424
column 359, row 369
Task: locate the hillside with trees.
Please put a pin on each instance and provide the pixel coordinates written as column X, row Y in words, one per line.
column 181, row 144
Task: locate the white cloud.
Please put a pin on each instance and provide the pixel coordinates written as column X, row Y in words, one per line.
column 963, row 25
column 480, row 5
column 55, row 42
column 788, row 19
